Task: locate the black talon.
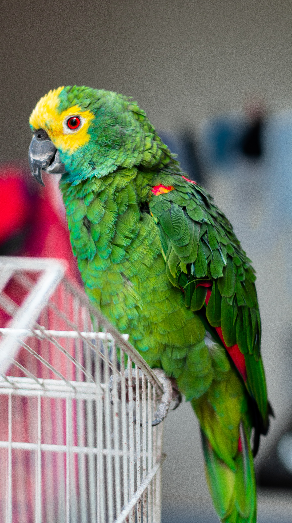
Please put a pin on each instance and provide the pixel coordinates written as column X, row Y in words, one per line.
column 177, row 400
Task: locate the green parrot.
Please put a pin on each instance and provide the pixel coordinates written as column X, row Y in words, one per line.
column 162, row 263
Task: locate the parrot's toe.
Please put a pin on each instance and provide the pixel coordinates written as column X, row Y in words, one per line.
column 127, row 381
column 170, row 393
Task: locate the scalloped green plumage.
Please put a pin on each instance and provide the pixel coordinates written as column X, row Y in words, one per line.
column 226, row 284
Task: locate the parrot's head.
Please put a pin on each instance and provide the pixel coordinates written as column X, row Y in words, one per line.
column 85, row 132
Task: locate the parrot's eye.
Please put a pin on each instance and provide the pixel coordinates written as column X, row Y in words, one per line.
column 73, row 123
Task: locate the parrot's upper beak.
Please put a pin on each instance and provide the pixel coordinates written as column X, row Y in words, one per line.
column 43, row 155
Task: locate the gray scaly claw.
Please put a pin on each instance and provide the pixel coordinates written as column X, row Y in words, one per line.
column 170, row 393
column 117, row 380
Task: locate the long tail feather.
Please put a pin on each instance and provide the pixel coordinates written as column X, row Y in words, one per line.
column 233, row 491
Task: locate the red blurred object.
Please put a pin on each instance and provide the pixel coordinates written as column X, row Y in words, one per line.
column 14, row 205
column 32, row 219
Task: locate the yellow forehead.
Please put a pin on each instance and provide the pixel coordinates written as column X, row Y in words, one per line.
column 46, row 116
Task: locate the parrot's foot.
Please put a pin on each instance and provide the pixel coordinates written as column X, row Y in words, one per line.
column 115, row 386
column 170, row 393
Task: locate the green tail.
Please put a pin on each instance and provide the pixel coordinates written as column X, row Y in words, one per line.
column 233, row 491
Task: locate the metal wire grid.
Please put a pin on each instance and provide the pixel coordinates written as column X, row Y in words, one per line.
column 77, row 401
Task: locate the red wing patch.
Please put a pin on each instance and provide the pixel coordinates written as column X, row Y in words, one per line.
column 239, row 444
column 235, row 354
column 161, row 189
column 188, row 180
column 234, row 351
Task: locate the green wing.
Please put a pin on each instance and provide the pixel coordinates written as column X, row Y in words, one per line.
column 199, row 246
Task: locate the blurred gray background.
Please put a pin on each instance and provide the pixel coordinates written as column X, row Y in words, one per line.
column 186, row 63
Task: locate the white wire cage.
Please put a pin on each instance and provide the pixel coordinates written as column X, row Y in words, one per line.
column 77, row 402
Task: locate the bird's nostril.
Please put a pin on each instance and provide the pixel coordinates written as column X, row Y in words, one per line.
column 40, row 134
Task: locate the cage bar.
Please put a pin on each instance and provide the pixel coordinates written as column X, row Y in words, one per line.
column 77, row 402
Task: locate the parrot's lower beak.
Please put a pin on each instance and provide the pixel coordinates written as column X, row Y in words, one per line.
column 43, row 155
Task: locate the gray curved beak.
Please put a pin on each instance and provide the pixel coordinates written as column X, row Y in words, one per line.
column 43, row 156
